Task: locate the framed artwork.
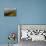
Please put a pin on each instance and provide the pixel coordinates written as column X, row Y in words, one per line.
column 9, row 11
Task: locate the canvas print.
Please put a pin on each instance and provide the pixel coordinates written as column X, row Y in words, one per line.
column 9, row 11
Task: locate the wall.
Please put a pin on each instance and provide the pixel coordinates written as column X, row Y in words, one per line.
column 28, row 12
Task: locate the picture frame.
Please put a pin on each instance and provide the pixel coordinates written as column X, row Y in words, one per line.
column 9, row 11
